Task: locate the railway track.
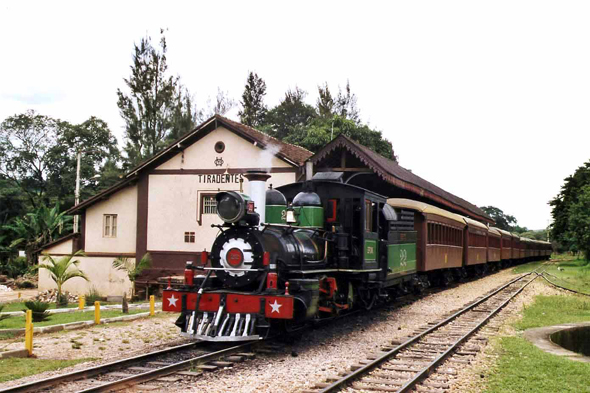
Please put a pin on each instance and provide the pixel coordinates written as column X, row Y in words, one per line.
column 405, row 366
column 167, row 365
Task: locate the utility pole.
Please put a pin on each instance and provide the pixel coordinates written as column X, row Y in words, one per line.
column 77, row 192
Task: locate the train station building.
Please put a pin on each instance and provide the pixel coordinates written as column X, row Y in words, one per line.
column 166, row 205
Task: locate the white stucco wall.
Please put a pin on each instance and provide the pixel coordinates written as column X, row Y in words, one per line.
column 122, row 203
column 173, row 209
column 105, row 279
column 238, row 153
column 64, row 247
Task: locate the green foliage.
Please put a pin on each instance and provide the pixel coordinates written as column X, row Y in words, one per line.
column 39, row 310
column 156, row 104
column 503, row 221
column 133, row 269
column 291, row 117
column 39, row 227
column 14, row 267
column 63, row 270
column 536, row 235
column 524, row 368
column 15, row 368
column 561, row 207
column 3, row 316
column 93, row 295
column 253, row 109
column 325, row 103
column 578, row 228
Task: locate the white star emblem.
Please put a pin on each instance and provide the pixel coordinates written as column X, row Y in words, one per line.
column 275, row 307
column 172, row 301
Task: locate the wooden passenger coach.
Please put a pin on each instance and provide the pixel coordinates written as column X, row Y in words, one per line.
column 506, row 244
column 476, row 242
column 494, row 245
column 440, row 235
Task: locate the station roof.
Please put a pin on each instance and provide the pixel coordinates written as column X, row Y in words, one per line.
column 423, row 207
column 391, row 172
column 294, row 155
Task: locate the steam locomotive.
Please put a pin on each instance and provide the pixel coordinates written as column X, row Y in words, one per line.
column 313, row 250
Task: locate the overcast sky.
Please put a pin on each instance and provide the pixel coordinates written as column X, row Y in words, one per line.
column 488, row 100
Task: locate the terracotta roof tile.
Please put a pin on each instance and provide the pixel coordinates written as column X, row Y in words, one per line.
column 386, row 167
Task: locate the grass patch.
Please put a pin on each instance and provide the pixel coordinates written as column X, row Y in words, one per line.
column 522, row 367
column 16, row 322
column 20, row 306
column 13, row 368
column 527, row 267
column 553, row 310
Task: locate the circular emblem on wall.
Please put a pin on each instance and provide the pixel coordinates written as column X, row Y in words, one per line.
column 219, row 147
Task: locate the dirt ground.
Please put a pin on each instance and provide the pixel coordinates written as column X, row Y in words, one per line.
column 13, row 296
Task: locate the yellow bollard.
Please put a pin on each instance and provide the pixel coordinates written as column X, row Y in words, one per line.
column 97, row 313
column 81, row 302
column 29, row 332
column 152, row 305
column 19, row 294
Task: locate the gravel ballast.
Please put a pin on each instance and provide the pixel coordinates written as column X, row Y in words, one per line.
column 320, row 353
column 326, row 351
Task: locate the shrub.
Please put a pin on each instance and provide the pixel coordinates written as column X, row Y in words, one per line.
column 25, row 284
column 2, row 316
column 92, row 296
column 15, row 267
column 39, row 310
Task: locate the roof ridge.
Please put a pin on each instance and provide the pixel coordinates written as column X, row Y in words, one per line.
column 263, row 133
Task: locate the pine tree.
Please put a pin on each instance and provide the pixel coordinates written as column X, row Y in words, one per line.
column 346, row 104
column 150, row 109
column 325, row 103
column 253, row 109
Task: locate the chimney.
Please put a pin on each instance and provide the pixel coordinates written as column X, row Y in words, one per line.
column 308, row 170
column 257, row 181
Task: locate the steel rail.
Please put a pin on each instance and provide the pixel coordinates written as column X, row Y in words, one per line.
column 336, row 385
column 425, row 372
column 163, row 371
column 89, row 372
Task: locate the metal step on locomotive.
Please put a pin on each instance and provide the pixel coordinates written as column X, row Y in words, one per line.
column 313, row 250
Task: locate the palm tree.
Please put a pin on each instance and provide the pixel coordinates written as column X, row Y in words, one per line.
column 133, row 269
column 62, row 270
column 37, row 228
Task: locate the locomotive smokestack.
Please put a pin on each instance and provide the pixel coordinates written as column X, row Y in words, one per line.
column 257, row 181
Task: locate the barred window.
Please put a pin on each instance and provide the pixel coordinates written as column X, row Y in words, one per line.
column 109, row 225
column 189, row 237
column 209, row 204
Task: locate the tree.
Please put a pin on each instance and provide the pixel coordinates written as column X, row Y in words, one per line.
column 186, row 115
column 150, row 109
column 27, row 144
column 503, row 221
column 132, row 269
column 37, row 228
column 325, row 103
column 578, row 232
column 561, row 205
column 63, row 270
column 38, row 155
column 222, row 105
column 98, row 145
column 253, row 109
column 291, row 116
column 322, row 130
column 345, row 104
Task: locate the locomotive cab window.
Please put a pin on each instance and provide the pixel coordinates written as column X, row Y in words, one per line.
column 368, row 216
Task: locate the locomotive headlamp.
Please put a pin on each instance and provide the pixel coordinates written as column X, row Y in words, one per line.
column 231, row 206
